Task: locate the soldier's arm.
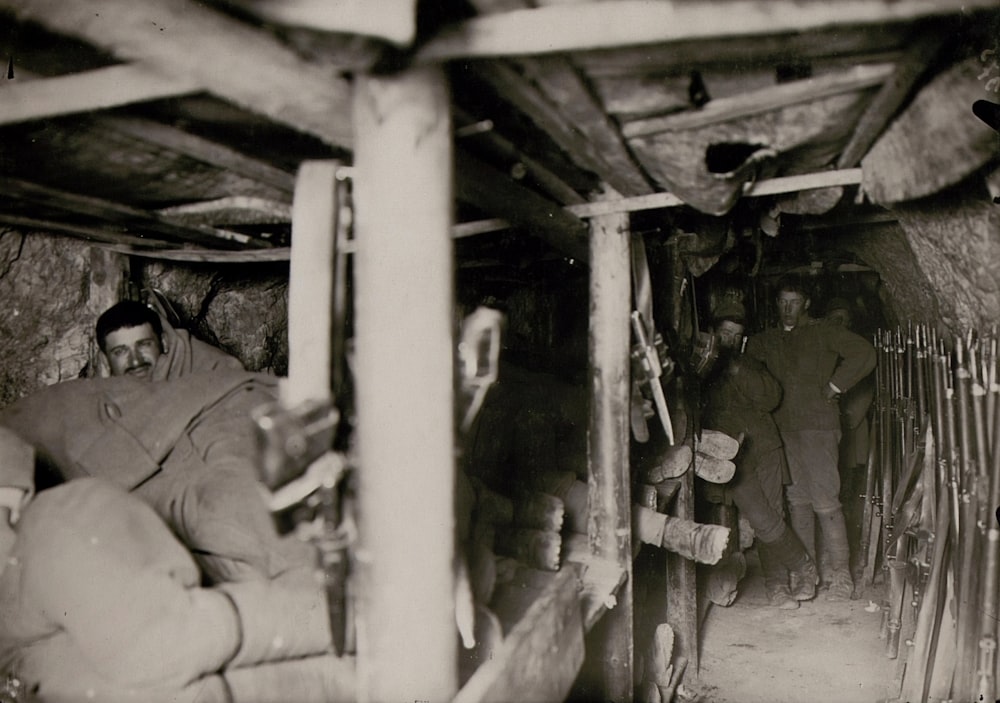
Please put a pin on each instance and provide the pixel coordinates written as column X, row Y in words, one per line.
column 857, row 357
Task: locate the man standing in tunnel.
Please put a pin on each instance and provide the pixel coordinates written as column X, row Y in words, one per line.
column 815, row 362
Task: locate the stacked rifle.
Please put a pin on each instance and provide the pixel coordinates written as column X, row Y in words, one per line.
column 932, row 505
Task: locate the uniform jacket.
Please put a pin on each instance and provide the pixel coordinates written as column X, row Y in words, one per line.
column 99, row 602
column 805, row 360
column 124, row 428
column 740, row 399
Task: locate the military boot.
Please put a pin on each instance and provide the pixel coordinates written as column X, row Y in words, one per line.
column 775, row 578
column 835, row 535
column 803, row 522
column 801, row 569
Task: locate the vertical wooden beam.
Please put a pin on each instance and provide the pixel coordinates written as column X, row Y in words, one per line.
column 609, row 521
column 407, row 642
column 682, row 591
column 310, row 282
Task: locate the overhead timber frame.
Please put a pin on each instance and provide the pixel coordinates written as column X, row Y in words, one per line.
column 404, row 298
column 404, row 269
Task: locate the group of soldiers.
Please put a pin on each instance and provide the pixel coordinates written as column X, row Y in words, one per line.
column 783, row 390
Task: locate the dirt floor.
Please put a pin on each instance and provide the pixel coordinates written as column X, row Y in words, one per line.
column 822, row 652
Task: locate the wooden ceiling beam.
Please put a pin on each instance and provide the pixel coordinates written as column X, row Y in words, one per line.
column 231, row 59
column 488, row 189
column 589, row 26
column 551, row 119
column 200, row 149
column 763, row 100
column 89, row 234
column 562, row 85
column 133, row 219
column 99, row 89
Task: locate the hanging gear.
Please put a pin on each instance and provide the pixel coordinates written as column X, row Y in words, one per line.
column 651, row 362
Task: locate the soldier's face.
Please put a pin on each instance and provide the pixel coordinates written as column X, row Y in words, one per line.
column 133, row 351
column 792, row 307
column 840, row 317
column 730, row 334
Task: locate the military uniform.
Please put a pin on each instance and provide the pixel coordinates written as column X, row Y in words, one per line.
column 98, row 601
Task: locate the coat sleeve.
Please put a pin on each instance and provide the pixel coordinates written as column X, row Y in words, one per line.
column 857, row 357
column 104, row 569
column 757, row 384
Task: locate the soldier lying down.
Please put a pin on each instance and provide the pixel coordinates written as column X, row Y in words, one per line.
column 99, row 601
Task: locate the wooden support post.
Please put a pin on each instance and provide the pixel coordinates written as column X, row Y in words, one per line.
column 609, row 521
column 407, row 641
column 310, row 283
column 682, row 593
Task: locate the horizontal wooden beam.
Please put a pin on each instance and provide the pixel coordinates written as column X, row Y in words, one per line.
column 490, row 190
column 99, row 89
column 763, row 100
column 588, row 26
column 200, row 149
column 392, row 20
column 773, row 186
column 232, row 59
column 134, row 219
column 99, row 235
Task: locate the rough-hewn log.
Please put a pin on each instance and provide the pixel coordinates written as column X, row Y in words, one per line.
column 609, row 522
column 404, row 299
column 200, row 149
column 891, row 96
column 492, row 191
column 602, row 25
column 763, row 100
column 134, row 219
column 392, row 20
column 231, row 59
column 562, row 85
column 527, row 98
column 99, row 89
column 935, row 143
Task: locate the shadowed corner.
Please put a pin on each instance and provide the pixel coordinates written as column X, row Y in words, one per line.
column 988, row 112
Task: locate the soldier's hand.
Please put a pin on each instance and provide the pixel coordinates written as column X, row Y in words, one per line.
column 831, row 394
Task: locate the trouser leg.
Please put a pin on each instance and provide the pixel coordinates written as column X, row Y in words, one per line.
column 835, row 536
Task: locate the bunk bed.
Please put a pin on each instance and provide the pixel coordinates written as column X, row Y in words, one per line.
column 406, row 174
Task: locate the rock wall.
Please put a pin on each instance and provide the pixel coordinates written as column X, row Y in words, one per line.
column 241, row 308
column 52, row 290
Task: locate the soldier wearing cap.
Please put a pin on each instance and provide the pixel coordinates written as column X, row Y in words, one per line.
column 815, row 362
column 741, row 395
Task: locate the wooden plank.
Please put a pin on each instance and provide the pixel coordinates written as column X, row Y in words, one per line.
column 935, row 143
column 99, row 89
column 215, row 256
column 740, row 55
column 527, row 98
column 492, row 191
column 587, row 26
column 600, row 578
column 200, row 149
column 91, row 234
column 230, row 58
column 682, row 589
column 547, row 181
column 392, row 20
column 310, row 283
column 891, row 96
column 656, row 201
column 132, row 218
column 403, row 282
column 562, row 85
column 540, row 657
column 763, row 100
column 609, row 523
column 236, row 209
